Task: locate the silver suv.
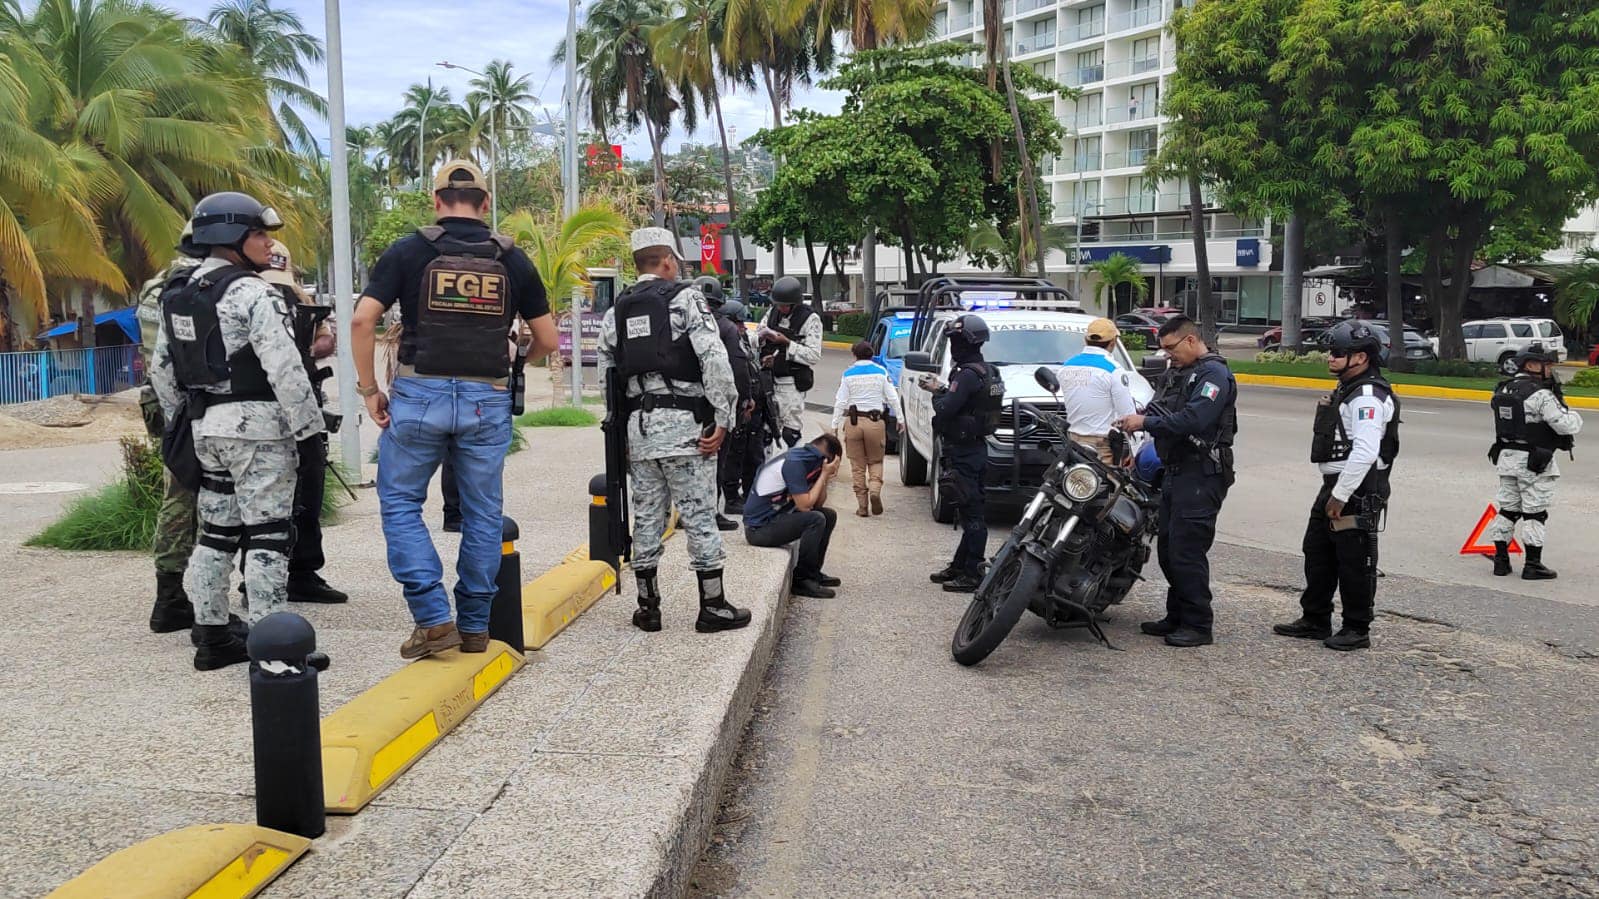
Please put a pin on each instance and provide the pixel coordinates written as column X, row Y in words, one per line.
column 1498, row 340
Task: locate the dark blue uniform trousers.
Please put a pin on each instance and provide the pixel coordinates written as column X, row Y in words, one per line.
column 1188, row 508
column 968, row 464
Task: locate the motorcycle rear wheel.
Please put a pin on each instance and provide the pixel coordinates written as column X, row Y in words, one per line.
column 995, row 610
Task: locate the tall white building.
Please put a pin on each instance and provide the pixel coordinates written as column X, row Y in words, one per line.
column 1119, row 54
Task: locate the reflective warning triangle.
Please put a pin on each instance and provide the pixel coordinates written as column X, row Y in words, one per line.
column 1472, row 548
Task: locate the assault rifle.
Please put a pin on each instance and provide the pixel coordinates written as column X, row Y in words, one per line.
column 614, row 427
column 766, row 408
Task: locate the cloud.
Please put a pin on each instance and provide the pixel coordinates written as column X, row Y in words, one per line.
column 391, row 45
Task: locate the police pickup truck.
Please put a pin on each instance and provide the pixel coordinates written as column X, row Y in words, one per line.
column 1020, row 340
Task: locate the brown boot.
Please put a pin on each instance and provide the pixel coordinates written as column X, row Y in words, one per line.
column 877, row 503
column 426, row 641
column 860, row 503
column 471, row 642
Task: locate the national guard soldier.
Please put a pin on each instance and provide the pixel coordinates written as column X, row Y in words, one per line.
column 1531, row 422
column 1095, row 391
column 964, row 414
column 791, row 344
column 730, row 458
column 1354, row 443
column 1195, row 442
column 460, row 288
column 225, row 360
column 678, row 396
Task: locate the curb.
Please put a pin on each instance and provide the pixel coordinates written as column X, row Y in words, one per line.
column 837, row 344
column 1417, row 390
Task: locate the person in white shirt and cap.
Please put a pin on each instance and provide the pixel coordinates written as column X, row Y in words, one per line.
column 680, row 403
column 866, row 399
column 1095, row 390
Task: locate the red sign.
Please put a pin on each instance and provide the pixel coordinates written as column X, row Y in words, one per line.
column 600, row 156
column 711, row 247
column 1474, row 548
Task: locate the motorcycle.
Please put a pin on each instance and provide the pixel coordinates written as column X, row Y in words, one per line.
column 1077, row 550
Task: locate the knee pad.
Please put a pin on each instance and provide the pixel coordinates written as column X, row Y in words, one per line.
column 1511, row 515
column 791, row 436
column 216, row 481
column 272, row 536
column 220, row 537
column 1539, row 517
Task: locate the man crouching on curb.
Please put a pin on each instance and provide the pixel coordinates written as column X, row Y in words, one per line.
column 786, row 504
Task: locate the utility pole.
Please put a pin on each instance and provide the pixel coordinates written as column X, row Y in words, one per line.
column 569, row 206
column 343, row 258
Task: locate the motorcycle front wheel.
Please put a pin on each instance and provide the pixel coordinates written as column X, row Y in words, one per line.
column 996, row 607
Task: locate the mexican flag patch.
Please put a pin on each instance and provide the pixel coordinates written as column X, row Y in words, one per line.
column 1209, row 391
column 1366, row 414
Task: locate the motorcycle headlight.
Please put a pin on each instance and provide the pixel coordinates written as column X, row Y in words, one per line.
column 1081, row 483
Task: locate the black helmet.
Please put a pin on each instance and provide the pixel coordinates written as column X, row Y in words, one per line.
column 1355, row 337
column 223, row 220
column 186, row 244
column 711, row 288
column 970, row 328
column 787, row 290
column 1534, row 353
column 734, row 311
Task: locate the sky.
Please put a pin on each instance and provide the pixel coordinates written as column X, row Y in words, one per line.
column 392, row 44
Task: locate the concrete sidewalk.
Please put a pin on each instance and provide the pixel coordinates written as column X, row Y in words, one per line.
column 593, row 771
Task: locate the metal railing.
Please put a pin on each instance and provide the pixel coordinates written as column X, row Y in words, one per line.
column 958, row 23
column 41, row 374
column 1084, row 31
column 1069, row 165
column 1035, row 43
column 1134, row 157
column 1143, row 112
column 1075, row 121
column 1081, row 75
column 1021, row 7
column 1140, row 18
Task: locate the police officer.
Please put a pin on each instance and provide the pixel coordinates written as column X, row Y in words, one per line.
column 1095, row 391
column 1355, row 441
column 1195, row 442
column 1531, row 422
column 460, row 288
column 964, row 414
column 314, row 340
column 866, row 400
column 680, row 398
column 729, row 459
column 225, row 359
column 791, row 344
column 748, row 441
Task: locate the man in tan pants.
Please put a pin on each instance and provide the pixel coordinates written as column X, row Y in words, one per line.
column 865, row 400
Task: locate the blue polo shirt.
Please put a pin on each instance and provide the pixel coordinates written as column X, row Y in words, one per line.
column 791, row 472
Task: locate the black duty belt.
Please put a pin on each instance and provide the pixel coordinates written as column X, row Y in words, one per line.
column 649, row 402
column 870, row 415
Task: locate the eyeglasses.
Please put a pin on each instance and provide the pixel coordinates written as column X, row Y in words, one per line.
column 1168, row 347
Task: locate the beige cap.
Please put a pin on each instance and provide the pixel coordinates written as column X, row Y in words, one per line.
column 1103, row 331
column 646, row 238
column 460, row 174
column 280, row 266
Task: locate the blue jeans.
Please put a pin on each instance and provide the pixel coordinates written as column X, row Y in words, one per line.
column 468, row 423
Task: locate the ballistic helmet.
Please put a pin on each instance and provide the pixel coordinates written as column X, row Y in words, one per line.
column 735, row 312
column 1147, row 464
column 223, row 219
column 970, row 328
column 1355, row 337
column 1534, row 353
column 711, row 288
column 186, row 244
column 1103, row 332
column 787, row 291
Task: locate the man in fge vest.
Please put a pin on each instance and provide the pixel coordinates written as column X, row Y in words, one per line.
column 678, row 398
column 460, row 288
column 229, row 376
column 791, row 345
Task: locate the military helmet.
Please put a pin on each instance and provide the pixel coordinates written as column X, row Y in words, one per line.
column 1534, row 353
column 1355, row 337
column 970, row 328
column 223, row 219
column 711, row 288
column 186, row 244
column 734, row 311
column 787, row 290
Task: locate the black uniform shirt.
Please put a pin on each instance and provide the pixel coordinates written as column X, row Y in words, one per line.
column 1208, row 391
column 397, row 276
column 966, row 385
column 738, row 355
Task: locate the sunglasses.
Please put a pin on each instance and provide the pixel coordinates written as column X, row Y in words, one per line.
column 1338, row 354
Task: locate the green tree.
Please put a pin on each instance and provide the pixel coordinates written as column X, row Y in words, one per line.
column 1115, row 271
column 1577, row 295
column 425, row 108
column 408, row 211
column 276, row 41
column 990, row 248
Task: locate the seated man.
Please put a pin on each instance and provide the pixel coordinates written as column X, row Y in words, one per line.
column 786, row 504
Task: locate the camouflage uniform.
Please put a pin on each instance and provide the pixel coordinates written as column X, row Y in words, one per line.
column 247, row 451
column 665, row 463
column 1523, row 494
column 805, row 351
column 177, row 521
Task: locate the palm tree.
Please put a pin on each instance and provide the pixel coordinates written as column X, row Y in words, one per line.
column 870, row 23
column 423, row 107
column 1577, row 294
column 686, row 48
column 1116, row 271
column 1004, row 251
column 277, row 42
column 505, row 98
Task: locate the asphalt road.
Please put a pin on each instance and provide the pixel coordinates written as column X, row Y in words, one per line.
column 1456, row 757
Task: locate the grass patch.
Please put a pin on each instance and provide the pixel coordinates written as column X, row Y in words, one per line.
column 557, row 417
column 1293, row 370
column 122, row 515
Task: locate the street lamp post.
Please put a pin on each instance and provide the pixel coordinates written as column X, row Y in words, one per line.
column 343, row 257
column 421, row 142
column 569, row 198
column 1077, row 250
column 494, row 146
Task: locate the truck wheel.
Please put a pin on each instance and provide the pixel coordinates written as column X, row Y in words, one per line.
column 1507, row 364
column 912, row 467
column 943, row 509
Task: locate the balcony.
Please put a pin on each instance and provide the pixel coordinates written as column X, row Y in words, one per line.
column 1035, row 43
column 1023, row 7
column 1078, row 121
column 1082, row 75
column 1136, row 157
column 1139, row 18
column 1139, row 203
column 1072, row 165
column 1084, row 31
column 958, row 23
column 1143, row 112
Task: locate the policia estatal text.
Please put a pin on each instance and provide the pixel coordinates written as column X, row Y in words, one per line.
column 234, row 392
column 1354, row 443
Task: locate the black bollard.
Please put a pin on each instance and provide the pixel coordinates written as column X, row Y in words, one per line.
column 287, row 724
column 600, row 548
column 505, row 614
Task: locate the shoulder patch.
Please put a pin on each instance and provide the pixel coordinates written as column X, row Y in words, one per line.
column 1209, row 390
column 1366, row 413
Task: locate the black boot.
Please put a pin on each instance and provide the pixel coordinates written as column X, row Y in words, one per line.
column 236, row 626
column 1347, row 639
column 733, row 506
column 949, row 573
column 648, row 615
column 723, row 523
column 1534, row 569
column 173, row 611
column 310, row 587
column 715, row 612
column 1305, row 628
column 1501, row 559
column 218, row 647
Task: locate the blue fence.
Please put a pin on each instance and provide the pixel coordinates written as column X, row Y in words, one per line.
column 39, row 375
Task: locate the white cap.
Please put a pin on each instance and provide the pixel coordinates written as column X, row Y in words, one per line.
column 645, row 238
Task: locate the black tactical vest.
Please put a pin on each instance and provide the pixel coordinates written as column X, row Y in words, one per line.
column 464, row 310
column 804, row 377
column 194, row 337
column 1512, row 430
column 644, row 343
column 1215, row 452
column 983, row 415
column 1330, row 440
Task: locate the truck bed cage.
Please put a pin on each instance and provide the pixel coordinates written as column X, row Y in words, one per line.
column 947, row 291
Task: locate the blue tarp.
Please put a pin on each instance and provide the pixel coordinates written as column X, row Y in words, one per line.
column 127, row 319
